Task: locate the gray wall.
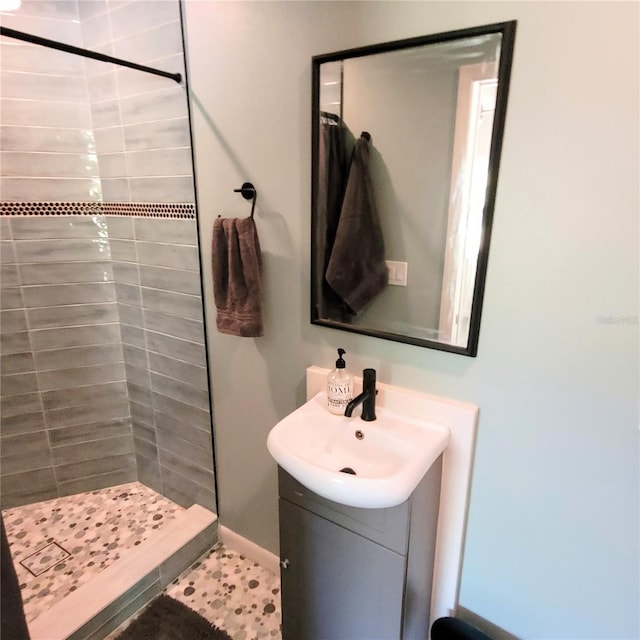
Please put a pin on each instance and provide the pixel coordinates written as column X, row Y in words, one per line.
column 552, row 540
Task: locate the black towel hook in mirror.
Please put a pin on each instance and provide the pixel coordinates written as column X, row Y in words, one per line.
column 248, row 192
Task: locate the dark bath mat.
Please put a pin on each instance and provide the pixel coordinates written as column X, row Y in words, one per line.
column 168, row 619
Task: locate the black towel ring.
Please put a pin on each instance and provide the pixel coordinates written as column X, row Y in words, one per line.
column 248, row 192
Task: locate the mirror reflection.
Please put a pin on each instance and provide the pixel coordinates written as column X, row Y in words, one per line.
column 406, row 144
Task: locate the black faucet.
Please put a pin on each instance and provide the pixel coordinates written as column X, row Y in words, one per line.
column 367, row 397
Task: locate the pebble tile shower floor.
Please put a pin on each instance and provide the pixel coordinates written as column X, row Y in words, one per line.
column 60, row 544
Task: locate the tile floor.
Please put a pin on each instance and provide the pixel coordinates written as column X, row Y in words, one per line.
column 232, row 592
column 60, row 544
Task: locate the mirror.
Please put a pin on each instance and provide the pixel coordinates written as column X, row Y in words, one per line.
column 406, row 140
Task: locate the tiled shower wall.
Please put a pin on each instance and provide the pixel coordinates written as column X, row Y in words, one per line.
column 104, row 374
column 104, row 377
column 75, row 129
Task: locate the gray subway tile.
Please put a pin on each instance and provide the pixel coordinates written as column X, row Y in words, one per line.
column 54, row 114
column 73, row 377
column 22, row 423
column 169, row 102
column 5, row 221
column 66, row 294
column 130, row 18
column 140, row 393
column 120, row 227
column 115, row 190
column 160, row 163
column 133, row 336
column 94, row 467
column 48, row 139
column 184, row 491
column 142, row 414
column 180, row 391
column 128, row 294
column 49, row 165
column 145, row 448
column 138, row 375
column 7, row 252
column 169, row 429
column 171, row 443
column 123, row 471
column 18, row 383
column 62, row 250
column 51, row 189
column 71, row 357
column 13, row 320
column 118, row 428
column 60, row 338
column 131, row 315
column 72, row 315
column 60, row 228
column 168, row 134
column 79, row 396
column 177, row 304
column 28, row 487
column 92, row 450
column 176, row 326
column 16, row 363
column 23, row 444
column 197, row 418
column 66, row 272
column 189, row 373
column 176, row 348
column 135, row 356
column 149, row 473
column 18, row 342
column 31, row 86
column 144, row 431
column 126, row 272
column 163, row 189
column 25, row 452
column 11, row 298
column 173, row 256
column 111, row 409
column 19, row 404
column 106, row 114
column 167, row 279
column 9, row 275
column 166, row 231
column 123, row 250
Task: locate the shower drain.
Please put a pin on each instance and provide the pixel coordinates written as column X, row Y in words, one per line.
column 43, row 559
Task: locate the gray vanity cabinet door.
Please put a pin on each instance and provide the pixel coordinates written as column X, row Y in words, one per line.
column 336, row 585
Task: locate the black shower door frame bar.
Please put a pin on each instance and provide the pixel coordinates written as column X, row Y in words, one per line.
column 86, row 53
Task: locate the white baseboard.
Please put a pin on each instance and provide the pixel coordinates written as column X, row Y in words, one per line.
column 235, row 541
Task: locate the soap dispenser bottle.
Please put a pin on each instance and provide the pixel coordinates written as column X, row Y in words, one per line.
column 339, row 386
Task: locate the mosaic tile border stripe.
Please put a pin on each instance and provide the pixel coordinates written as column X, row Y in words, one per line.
column 138, row 209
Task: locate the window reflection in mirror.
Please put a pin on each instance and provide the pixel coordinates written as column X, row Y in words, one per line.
column 434, row 108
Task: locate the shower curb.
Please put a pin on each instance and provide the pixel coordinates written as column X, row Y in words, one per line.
column 101, row 605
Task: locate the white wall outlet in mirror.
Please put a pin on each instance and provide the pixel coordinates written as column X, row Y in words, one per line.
column 397, row 272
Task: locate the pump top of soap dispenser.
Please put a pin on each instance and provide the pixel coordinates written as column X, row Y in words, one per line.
column 340, row 363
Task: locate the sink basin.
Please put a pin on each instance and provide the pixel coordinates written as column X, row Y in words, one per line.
column 361, row 464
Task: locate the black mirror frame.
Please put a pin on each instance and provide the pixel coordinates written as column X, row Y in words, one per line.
column 507, row 30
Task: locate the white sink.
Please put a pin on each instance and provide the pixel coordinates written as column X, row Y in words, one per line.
column 389, row 455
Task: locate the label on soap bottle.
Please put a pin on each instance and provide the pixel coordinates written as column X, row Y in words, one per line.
column 339, row 394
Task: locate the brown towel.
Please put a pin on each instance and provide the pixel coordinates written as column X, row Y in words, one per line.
column 237, row 277
column 357, row 271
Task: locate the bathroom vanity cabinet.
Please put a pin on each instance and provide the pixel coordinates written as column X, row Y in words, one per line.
column 357, row 574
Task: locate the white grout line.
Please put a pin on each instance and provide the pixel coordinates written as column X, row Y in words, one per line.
column 79, row 607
